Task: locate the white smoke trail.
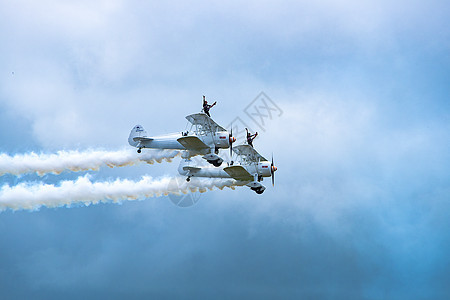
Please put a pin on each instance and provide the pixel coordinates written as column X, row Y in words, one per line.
column 83, row 191
column 78, row 161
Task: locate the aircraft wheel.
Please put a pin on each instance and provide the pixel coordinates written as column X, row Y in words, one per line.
column 259, row 191
column 139, row 151
column 188, row 179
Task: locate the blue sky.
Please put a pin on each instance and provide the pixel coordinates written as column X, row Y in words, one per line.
column 361, row 204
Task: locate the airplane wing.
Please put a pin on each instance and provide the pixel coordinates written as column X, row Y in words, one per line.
column 238, row 173
column 192, row 143
column 191, row 170
column 249, row 152
column 206, row 122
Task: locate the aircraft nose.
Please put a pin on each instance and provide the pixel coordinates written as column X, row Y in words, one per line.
column 274, row 168
column 232, row 139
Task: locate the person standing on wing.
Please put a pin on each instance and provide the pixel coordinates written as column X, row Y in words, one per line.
column 250, row 137
column 207, row 107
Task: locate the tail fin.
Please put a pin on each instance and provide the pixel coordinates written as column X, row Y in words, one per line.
column 137, row 131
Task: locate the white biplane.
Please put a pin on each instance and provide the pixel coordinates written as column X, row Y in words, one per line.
column 249, row 170
column 205, row 137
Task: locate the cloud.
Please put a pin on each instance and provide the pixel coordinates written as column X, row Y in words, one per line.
column 83, row 64
column 359, row 208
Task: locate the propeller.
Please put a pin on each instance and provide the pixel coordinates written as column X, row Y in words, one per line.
column 272, row 171
column 232, row 140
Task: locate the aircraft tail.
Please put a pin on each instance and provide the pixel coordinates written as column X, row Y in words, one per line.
column 137, row 131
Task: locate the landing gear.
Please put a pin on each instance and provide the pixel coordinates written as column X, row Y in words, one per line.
column 139, row 150
column 213, row 159
column 188, row 178
column 258, row 190
column 216, row 163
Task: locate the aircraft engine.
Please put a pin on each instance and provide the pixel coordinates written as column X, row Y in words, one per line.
column 264, row 168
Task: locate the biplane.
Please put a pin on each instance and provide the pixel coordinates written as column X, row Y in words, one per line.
column 205, row 137
column 250, row 169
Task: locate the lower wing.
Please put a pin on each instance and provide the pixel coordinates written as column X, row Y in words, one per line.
column 238, row 173
column 192, row 143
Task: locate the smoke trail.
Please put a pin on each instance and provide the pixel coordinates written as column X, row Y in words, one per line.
column 83, row 191
column 78, row 161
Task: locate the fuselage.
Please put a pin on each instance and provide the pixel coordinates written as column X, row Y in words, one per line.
column 216, row 140
column 168, row 141
column 261, row 169
column 210, row 172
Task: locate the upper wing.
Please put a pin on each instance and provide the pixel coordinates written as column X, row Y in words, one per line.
column 249, row 152
column 238, row 172
column 206, row 122
column 192, row 143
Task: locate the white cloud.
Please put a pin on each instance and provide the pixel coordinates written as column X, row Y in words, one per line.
column 359, row 171
column 88, row 63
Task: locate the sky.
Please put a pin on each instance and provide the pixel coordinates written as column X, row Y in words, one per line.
column 360, row 208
